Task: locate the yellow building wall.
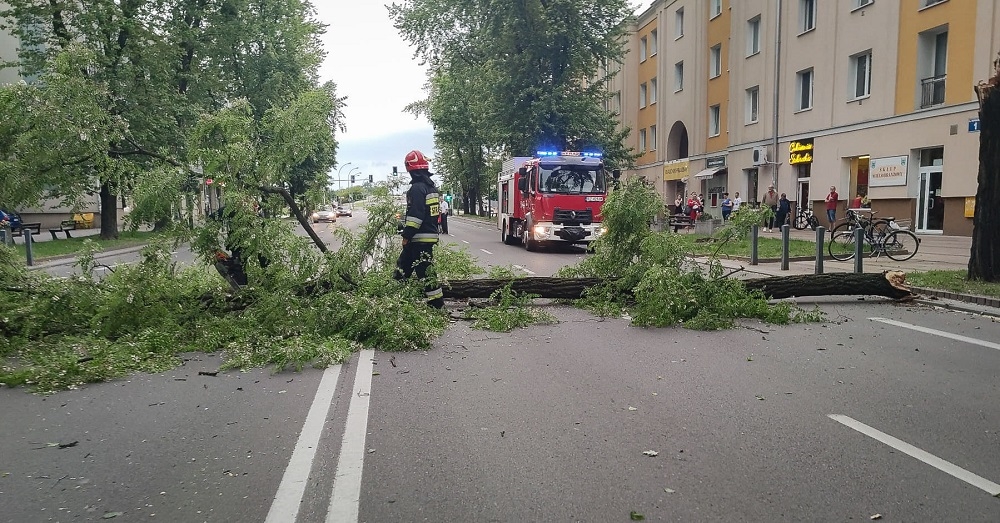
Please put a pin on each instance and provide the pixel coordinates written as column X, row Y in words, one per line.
column 718, row 88
column 960, row 15
column 646, row 73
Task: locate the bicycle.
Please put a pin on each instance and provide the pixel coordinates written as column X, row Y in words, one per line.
column 895, row 242
column 805, row 218
column 857, row 218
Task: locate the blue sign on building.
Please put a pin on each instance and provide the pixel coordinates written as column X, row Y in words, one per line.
column 973, row 125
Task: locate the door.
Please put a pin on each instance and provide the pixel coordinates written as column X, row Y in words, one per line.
column 930, row 204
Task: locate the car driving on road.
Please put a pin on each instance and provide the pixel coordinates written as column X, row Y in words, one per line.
column 326, row 214
column 344, row 211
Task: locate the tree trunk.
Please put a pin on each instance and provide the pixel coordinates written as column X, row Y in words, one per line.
column 984, row 258
column 891, row 284
column 109, row 213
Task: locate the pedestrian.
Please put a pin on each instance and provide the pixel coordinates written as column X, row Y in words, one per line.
column 420, row 230
column 727, row 206
column 770, row 199
column 737, row 202
column 831, row 206
column 856, row 202
column 444, row 216
column 679, row 204
column 694, row 206
column 784, row 209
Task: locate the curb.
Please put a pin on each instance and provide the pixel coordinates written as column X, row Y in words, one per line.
column 70, row 260
column 982, row 301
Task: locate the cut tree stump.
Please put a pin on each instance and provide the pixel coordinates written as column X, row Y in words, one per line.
column 891, row 284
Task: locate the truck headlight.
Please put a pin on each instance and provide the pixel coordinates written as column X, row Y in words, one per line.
column 540, row 230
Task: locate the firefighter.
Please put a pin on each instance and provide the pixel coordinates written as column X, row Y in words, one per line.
column 420, row 228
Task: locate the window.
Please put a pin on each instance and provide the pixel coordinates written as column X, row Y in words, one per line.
column 932, row 65
column 679, row 23
column 642, row 49
column 753, row 36
column 716, row 8
column 642, row 96
column 861, row 75
column 653, row 42
column 678, row 76
column 642, row 141
column 652, row 137
column 753, row 104
column 928, row 3
column 714, row 122
column 807, row 15
column 652, row 91
column 804, row 90
column 715, row 61
column 861, row 3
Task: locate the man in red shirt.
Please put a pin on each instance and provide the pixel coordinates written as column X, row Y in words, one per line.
column 831, row 205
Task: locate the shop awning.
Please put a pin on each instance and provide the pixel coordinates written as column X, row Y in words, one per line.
column 708, row 173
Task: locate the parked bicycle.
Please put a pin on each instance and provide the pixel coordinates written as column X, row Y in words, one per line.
column 805, row 218
column 880, row 236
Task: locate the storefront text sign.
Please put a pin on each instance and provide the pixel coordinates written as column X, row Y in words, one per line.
column 676, row 169
column 886, row 172
column 800, row 152
column 713, row 162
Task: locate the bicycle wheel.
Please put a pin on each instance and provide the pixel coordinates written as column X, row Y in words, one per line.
column 801, row 221
column 842, row 246
column 880, row 229
column 846, row 227
column 900, row 245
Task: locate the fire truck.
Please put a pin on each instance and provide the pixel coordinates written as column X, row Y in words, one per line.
column 553, row 197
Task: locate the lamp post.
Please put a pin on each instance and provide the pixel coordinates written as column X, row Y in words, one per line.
column 349, row 173
column 338, row 178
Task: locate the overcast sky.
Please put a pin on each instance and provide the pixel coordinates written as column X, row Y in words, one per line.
column 374, row 67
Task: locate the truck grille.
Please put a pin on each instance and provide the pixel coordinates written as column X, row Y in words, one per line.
column 571, row 217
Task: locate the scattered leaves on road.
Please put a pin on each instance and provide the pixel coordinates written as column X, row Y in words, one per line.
column 112, row 515
column 635, row 516
column 632, row 408
column 669, row 490
column 650, row 453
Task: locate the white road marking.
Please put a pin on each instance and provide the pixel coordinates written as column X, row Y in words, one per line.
column 944, row 466
column 936, row 332
column 465, row 241
column 285, row 506
column 525, row 269
column 344, row 503
column 487, row 252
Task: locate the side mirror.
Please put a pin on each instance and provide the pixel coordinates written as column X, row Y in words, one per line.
column 522, row 183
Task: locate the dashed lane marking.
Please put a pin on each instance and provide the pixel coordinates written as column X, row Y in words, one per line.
column 524, row 269
column 346, row 498
column 948, row 467
column 943, row 334
column 487, row 252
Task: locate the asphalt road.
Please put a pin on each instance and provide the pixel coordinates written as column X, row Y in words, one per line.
column 849, row 419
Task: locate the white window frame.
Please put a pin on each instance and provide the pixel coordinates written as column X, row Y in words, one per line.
column 679, row 76
column 715, row 61
column 642, row 140
column 653, row 42
column 642, row 95
column 652, row 91
column 858, row 4
column 855, row 63
column 924, row 4
column 714, row 121
column 800, row 88
column 714, row 9
column 652, row 137
column 807, row 17
column 642, row 49
column 752, row 115
column 753, row 36
column 679, row 24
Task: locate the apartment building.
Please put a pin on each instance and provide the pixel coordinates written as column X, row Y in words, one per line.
column 873, row 97
column 8, row 53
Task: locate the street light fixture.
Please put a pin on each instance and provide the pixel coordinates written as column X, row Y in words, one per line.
column 338, row 173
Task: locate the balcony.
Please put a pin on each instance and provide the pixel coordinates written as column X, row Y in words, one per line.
column 932, row 91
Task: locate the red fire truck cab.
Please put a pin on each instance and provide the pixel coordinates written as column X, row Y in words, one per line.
column 554, row 197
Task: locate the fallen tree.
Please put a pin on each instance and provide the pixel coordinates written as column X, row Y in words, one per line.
column 890, row 284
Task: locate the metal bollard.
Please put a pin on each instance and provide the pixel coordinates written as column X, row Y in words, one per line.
column 27, row 246
column 784, row 247
column 820, row 236
column 859, row 249
column 753, row 244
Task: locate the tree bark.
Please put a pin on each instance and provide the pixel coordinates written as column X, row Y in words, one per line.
column 109, row 212
column 891, row 284
column 984, row 258
column 298, row 215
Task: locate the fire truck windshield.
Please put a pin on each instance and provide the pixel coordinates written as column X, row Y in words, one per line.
column 566, row 179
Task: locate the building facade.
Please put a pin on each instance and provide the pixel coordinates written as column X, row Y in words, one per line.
column 872, row 97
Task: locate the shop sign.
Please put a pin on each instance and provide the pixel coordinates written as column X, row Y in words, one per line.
column 713, row 162
column 800, row 152
column 886, row 172
column 973, row 125
column 970, row 206
column 676, row 169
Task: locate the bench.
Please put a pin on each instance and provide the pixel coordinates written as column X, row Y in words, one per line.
column 679, row 221
column 64, row 227
column 35, row 228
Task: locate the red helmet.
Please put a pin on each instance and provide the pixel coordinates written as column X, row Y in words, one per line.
column 415, row 160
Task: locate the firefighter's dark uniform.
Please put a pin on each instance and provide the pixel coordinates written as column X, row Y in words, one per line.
column 421, row 234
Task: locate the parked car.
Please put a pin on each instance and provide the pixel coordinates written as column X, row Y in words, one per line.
column 13, row 219
column 344, row 211
column 325, row 214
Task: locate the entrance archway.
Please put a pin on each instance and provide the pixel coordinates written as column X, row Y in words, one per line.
column 677, row 141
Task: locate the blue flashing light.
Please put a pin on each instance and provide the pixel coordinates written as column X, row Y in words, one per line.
column 569, row 153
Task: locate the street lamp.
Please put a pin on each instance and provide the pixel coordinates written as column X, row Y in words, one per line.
column 349, row 173
column 338, row 173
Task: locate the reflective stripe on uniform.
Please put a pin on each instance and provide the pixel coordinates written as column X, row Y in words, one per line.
column 432, row 198
column 435, row 294
column 424, row 237
column 413, row 221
